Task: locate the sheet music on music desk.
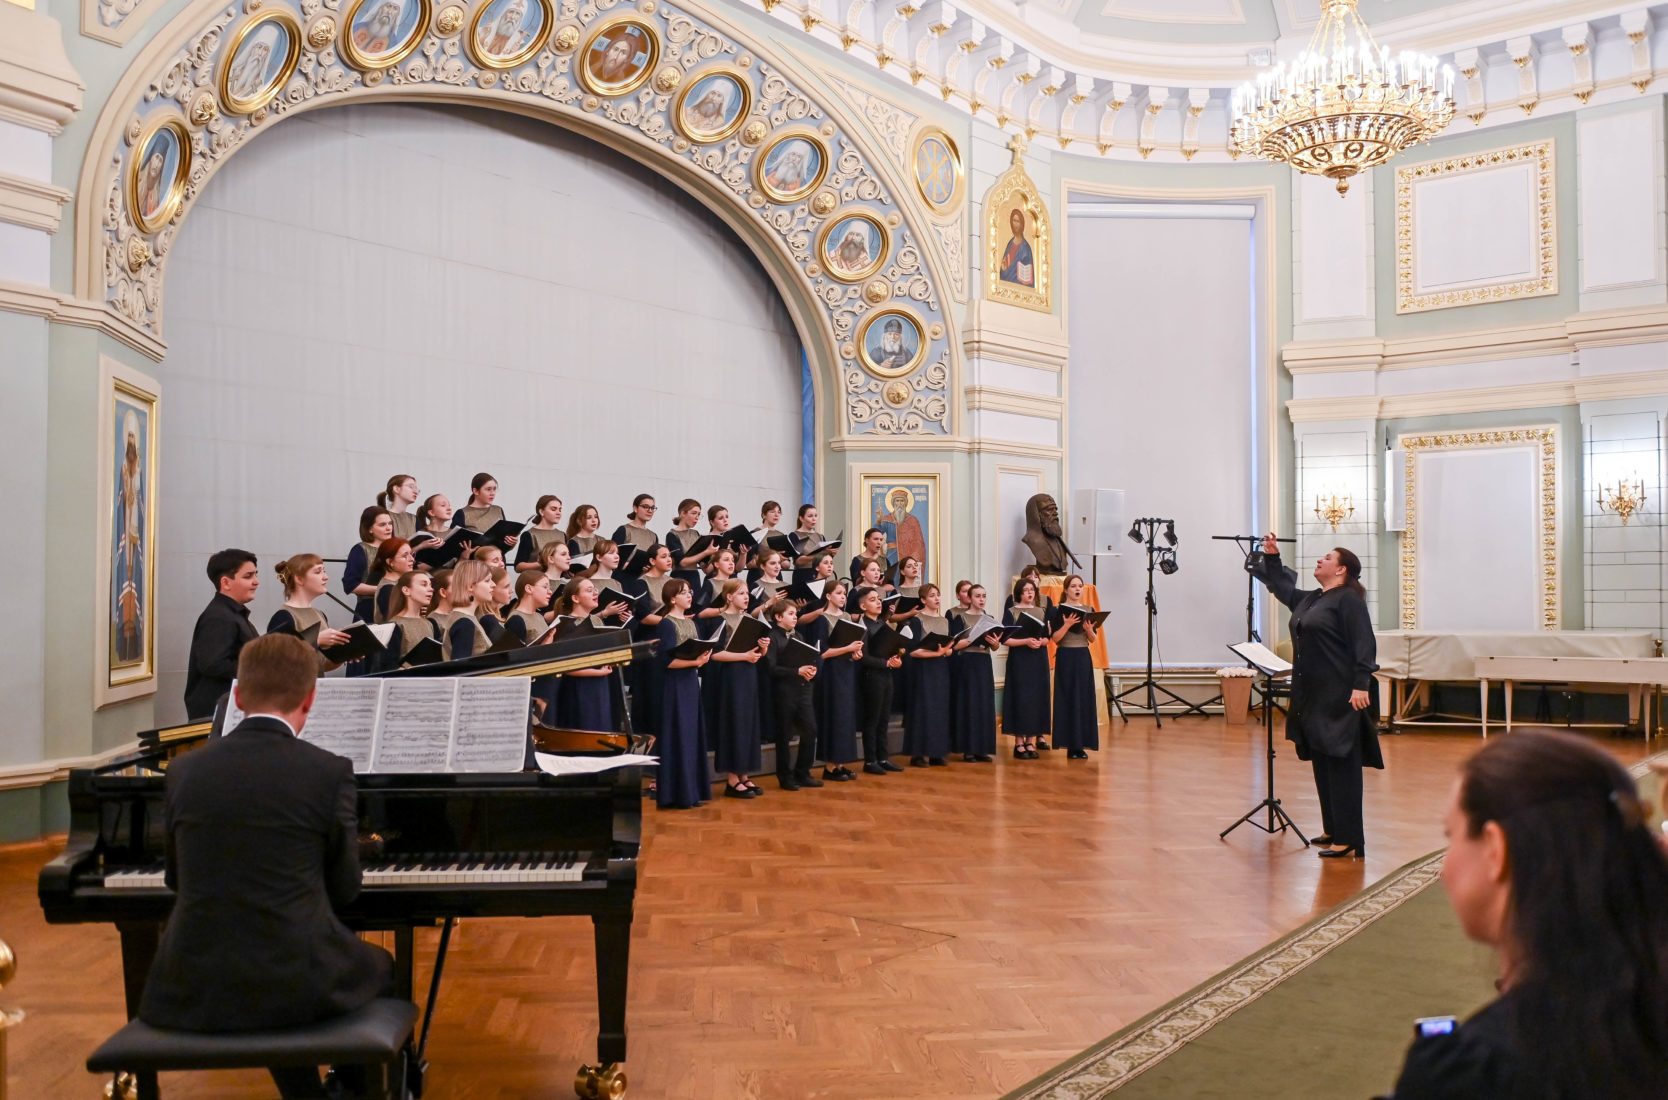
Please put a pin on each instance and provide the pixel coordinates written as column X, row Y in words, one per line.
column 344, row 719
column 416, row 729
column 490, row 732
column 1263, row 657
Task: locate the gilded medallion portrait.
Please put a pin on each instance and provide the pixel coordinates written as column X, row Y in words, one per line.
column 791, row 167
column 619, row 57
column 891, row 343
column 712, row 106
column 505, row 33
column 380, row 33
column 260, row 62
column 938, row 170
column 853, row 247
column 157, row 174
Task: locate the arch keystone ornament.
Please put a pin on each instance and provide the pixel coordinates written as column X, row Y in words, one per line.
column 408, row 49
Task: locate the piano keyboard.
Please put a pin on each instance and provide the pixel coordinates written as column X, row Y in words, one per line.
column 148, row 879
column 445, row 869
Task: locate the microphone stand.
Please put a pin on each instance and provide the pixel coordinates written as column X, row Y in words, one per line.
column 1253, row 561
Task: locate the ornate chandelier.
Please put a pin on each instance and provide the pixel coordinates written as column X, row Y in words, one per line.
column 1345, row 104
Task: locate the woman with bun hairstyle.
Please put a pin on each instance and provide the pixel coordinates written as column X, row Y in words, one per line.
column 305, row 581
column 398, row 498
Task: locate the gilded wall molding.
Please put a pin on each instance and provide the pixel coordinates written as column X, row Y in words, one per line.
column 1543, row 282
column 1545, row 441
column 176, row 76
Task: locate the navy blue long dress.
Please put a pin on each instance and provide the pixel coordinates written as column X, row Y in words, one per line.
column 683, row 779
column 927, row 711
column 1025, row 705
column 972, row 696
column 730, row 694
column 591, row 702
column 355, row 572
column 834, row 696
column 1076, row 726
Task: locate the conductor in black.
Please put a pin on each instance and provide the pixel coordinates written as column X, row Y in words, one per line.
column 1333, row 716
column 261, row 846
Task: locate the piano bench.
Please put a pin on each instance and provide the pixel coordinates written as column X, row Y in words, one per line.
column 375, row 1036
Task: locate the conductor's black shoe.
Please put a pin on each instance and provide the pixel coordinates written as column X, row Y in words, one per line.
column 1357, row 851
column 806, row 779
column 1321, row 841
column 873, row 768
column 787, row 783
column 891, row 767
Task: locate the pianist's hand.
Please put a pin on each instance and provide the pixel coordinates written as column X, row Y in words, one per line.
column 1360, row 700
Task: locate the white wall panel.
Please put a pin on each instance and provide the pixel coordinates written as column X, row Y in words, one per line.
column 994, row 424
column 379, row 289
column 1333, row 246
column 1159, row 394
column 1478, row 522
column 1475, row 229
column 1621, row 165
column 1013, row 376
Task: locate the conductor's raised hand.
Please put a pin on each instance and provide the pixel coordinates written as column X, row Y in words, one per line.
column 1270, row 545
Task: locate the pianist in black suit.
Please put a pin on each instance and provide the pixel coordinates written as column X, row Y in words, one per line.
column 222, row 630
column 261, row 844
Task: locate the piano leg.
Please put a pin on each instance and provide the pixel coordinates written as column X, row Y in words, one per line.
column 404, row 951
column 607, row 1080
column 139, row 943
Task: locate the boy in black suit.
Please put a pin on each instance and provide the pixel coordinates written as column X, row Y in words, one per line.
column 222, row 630
column 261, row 844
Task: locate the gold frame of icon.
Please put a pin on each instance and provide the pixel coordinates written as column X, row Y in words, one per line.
column 706, row 137
column 233, row 105
column 624, row 87
column 958, row 192
column 366, row 63
column 176, row 187
column 879, row 317
column 521, row 56
column 879, row 261
column 769, row 146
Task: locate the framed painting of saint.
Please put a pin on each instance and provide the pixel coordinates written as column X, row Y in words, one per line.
column 1017, row 242
column 853, row 246
column 379, row 33
column 619, row 57
column 506, row 33
column 891, row 343
column 905, row 508
column 713, row 105
column 157, row 173
column 790, row 166
column 128, row 404
column 259, row 62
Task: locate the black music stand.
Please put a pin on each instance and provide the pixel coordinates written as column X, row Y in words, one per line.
column 1271, row 667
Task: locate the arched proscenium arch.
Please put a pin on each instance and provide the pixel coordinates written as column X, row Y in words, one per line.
column 177, row 74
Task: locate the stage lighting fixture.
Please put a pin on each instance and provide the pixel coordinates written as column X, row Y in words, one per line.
column 1135, row 531
column 1167, row 563
column 1170, row 531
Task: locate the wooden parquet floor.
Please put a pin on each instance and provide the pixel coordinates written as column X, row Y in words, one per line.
column 945, row 933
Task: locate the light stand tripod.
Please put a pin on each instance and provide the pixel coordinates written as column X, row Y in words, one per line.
column 1276, row 812
column 1164, row 559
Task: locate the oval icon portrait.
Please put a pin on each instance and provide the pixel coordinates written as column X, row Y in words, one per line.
column 891, row 343
column 380, row 33
column 619, row 57
column 157, row 174
column 853, row 247
column 791, row 167
column 260, row 62
column 713, row 105
column 505, row 33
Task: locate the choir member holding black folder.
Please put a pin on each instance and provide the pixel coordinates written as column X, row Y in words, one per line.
column 375, row 528
column 393, row 558
column 730, row 693
column 543, row 531
column 835, row 688
column 460, row 628
column 647, row 595
column 792, row 665
column 635, row 530
column 690, row 549
column 398, row 497
column 1073, row 628
column 305, row 580
column 589, row 698
column 770, row 581
column 874, row 547
column 927, row 719
column 583, row 526
column 681, row 737
column 434, row 522
column 1025, row 692
column 973, row 679
column 882, row 655
column 417, row 639
column 481, row 514
column 711, row 596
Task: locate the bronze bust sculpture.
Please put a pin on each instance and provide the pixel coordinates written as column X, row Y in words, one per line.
column 1044, row 538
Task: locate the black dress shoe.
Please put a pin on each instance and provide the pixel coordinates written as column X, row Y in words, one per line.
column 889, row 766
column 838, row 775
column 806, row 779
column 1322, row 841
column 1043, row 745
column 938, row 762
column 1357, row 851
column 967, row 758
column 1032, row 754
column 980, row 758
column 737, row 792
column 872, row 768
column 917, row 761
column 1019, row 752
column 1077, row 754
column 787, row 783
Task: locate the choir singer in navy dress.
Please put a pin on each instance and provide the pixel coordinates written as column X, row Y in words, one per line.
column 927, row 710
column 1076, row 726
column 973, row 685
column 1332, row 719
column 588, row 698
column 683, row 778
column 1025, row 706
column 730, row 694
column 835, row 688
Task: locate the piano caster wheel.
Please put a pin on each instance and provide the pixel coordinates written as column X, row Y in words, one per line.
column 124, row 1087
column 600, row 1082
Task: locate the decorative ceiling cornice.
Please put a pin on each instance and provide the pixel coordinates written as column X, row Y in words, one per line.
column 1031, row 69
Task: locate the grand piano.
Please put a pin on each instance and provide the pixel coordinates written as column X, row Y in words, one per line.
column 434, row 848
